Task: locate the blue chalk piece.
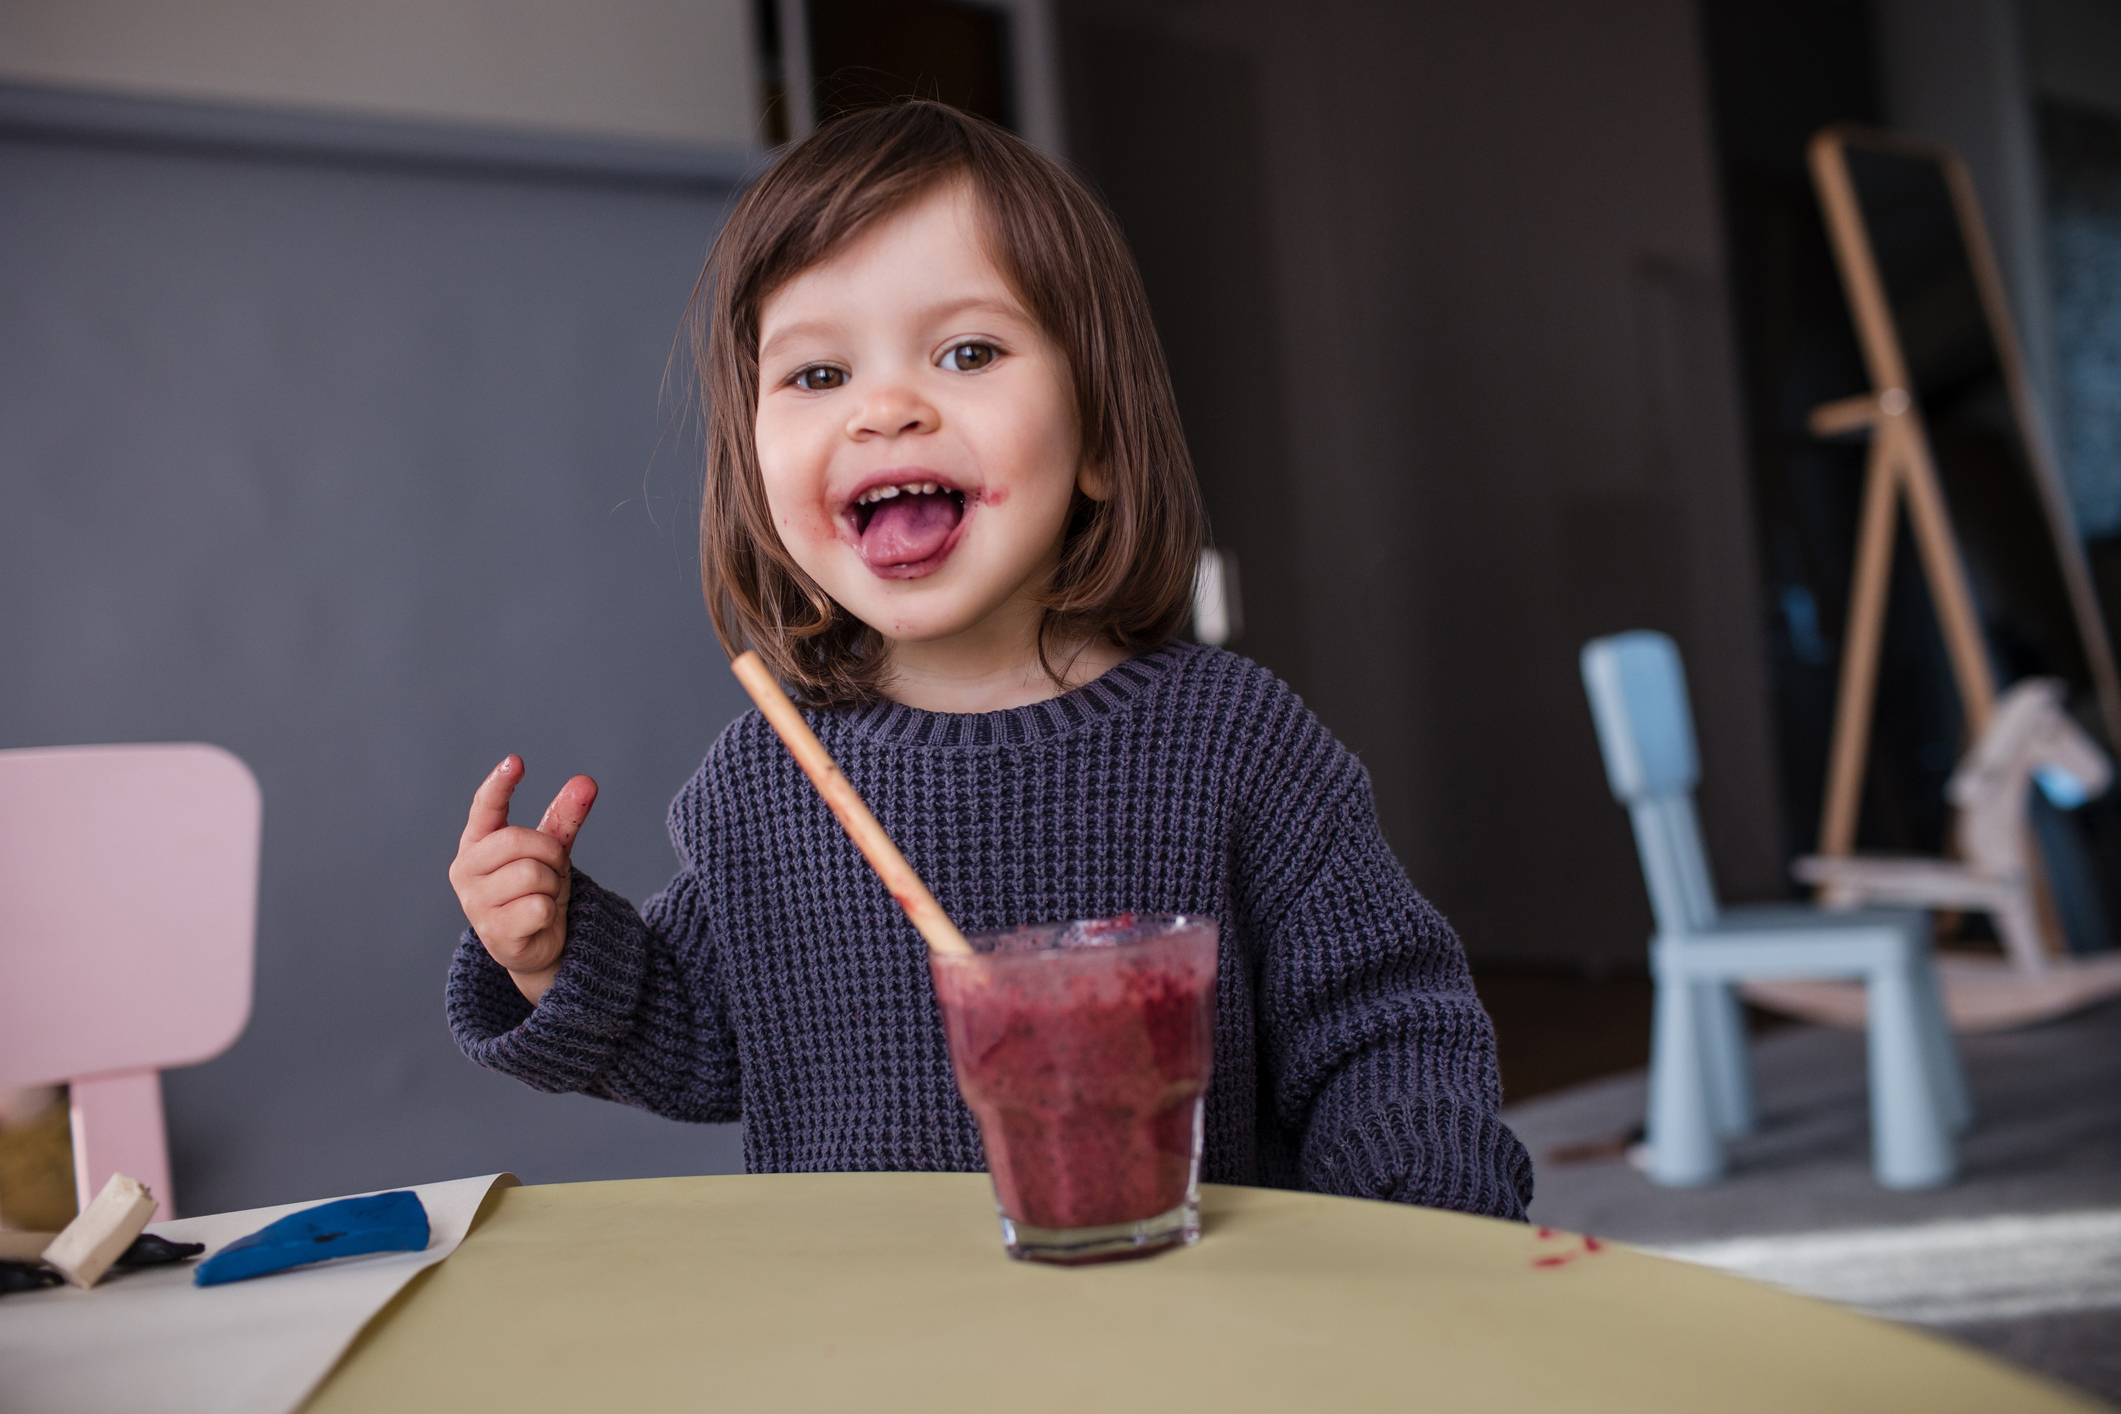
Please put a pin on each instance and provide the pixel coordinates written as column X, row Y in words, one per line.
column 387, row 1222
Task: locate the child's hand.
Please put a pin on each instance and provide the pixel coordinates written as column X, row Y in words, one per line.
column 513, row 882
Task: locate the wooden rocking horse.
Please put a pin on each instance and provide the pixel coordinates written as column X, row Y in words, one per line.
column 2030, row 739
column 2030, row 736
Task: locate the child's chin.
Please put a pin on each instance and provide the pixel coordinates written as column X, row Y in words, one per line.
column 927, row 622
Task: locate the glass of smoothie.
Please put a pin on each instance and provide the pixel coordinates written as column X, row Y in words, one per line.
column 1083, row 1049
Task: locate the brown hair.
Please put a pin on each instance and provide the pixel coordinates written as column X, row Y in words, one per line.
column 1127, row 563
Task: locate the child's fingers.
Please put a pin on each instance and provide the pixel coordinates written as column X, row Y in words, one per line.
column 490, row 893
column 518, row 879
column 564, row 817
column 489, row 803
column 516, row 924
column 480, row 858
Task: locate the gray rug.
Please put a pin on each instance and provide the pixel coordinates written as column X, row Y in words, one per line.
column 2021, row 1256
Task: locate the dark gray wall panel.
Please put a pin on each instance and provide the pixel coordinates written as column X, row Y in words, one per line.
column 1442, row 285
column 363, row 474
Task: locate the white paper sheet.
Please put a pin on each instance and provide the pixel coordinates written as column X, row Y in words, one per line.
column 149, row 1342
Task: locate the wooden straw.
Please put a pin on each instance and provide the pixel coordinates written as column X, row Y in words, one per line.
column 922, row 910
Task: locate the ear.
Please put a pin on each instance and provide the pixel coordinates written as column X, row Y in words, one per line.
column 1094, row 481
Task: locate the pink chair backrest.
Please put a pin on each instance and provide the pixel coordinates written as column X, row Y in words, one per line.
column 128, row 921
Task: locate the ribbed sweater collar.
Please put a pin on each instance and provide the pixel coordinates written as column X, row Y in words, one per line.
column 1106, row 696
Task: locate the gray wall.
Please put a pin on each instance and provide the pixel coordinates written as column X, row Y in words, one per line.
column 1442, row 286
column 358, row 468
column 680, row 71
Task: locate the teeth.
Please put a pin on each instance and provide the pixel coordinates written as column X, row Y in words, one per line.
column 885, row 493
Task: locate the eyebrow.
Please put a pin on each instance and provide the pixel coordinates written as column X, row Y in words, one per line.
column 949, row 309
column 795, row 331
column 972, row 304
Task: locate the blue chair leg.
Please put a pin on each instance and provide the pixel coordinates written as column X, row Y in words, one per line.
column 1946, row 1073
column 1684, row 1149
column 1910, row 1144
column 1723, row 1046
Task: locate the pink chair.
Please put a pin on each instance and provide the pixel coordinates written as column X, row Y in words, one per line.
column 128, row 926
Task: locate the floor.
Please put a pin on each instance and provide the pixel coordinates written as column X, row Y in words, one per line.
column 2021, row 1256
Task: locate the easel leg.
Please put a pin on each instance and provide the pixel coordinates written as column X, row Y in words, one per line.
column 1859, row 650
column 1946, row 572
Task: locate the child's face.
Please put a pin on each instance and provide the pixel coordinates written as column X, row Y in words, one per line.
column 917, row 429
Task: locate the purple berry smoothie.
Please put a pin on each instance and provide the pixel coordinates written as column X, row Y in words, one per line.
column 1084, row 1051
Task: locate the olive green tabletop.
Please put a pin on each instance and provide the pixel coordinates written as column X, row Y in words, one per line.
column 887, row 1292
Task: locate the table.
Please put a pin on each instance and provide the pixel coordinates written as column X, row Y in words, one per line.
column 890, row 1292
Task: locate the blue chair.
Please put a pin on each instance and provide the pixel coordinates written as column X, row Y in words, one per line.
column 1700, row 1081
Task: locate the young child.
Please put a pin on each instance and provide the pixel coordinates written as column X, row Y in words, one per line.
column 948, row 501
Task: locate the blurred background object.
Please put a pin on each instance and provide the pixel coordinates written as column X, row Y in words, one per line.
column 1704, row 954
column 131, row 879
column 36, row 1162
column 1218, row 613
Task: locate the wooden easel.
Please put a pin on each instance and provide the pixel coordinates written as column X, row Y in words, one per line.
column 1902, row 470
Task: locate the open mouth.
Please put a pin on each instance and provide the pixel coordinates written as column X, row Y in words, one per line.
column 902, row 525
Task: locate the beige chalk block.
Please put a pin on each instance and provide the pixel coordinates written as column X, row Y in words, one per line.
column 85, row 1248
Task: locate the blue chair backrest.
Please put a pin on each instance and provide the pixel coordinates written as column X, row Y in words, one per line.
column 1646, row 734
column 1638, row 700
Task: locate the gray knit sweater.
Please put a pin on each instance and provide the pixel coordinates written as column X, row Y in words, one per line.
column 776, row 982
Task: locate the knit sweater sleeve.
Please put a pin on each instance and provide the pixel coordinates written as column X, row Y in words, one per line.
column 1380, row 1058
column 635, row 1012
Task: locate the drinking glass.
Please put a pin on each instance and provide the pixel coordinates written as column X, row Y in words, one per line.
column 1083, row 1049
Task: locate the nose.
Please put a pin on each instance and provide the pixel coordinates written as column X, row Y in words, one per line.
column 892, row 409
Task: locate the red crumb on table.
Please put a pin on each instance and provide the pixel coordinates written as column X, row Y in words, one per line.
column 1590, row 1246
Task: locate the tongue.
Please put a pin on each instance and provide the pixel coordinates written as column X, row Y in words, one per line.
column 908, row 529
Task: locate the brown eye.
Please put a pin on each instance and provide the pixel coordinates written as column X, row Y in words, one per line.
column 970, row 358
column 820, row 377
